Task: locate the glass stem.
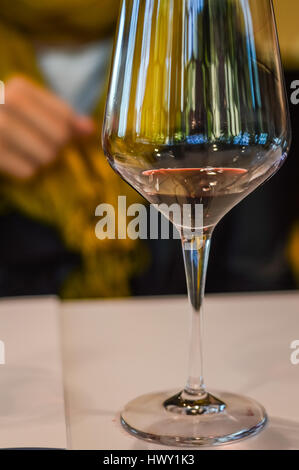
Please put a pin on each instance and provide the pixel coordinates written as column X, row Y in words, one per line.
column 196, row 255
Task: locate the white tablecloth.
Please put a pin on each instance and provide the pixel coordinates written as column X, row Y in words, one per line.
column 115, row 350
column 31, row 380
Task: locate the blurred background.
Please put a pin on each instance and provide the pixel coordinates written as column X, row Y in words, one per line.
column 54, row 61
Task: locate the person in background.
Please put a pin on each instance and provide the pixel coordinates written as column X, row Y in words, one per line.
column 54, row 61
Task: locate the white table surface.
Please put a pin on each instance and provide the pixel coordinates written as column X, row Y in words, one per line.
column 115, row 350
column 31, row 381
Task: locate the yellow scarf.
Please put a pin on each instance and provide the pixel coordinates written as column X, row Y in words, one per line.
column 67, row 195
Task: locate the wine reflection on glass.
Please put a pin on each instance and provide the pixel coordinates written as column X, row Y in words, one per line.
column 196, row 114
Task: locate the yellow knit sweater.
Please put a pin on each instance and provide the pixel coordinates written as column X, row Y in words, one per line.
column 67, row 195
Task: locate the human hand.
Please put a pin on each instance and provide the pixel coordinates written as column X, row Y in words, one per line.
column 34, row 126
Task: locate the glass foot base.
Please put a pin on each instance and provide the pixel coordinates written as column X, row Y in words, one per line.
column 147, row 417
column 186, row 404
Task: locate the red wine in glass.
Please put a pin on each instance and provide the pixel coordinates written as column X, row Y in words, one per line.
column 216, row 189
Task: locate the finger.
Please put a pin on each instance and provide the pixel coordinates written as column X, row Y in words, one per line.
column 84, row 125
column 51, row 127
column 51, row 104
column 21, row 138
column 16, row 166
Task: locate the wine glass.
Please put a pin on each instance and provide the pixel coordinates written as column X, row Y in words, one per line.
column 196, row 114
